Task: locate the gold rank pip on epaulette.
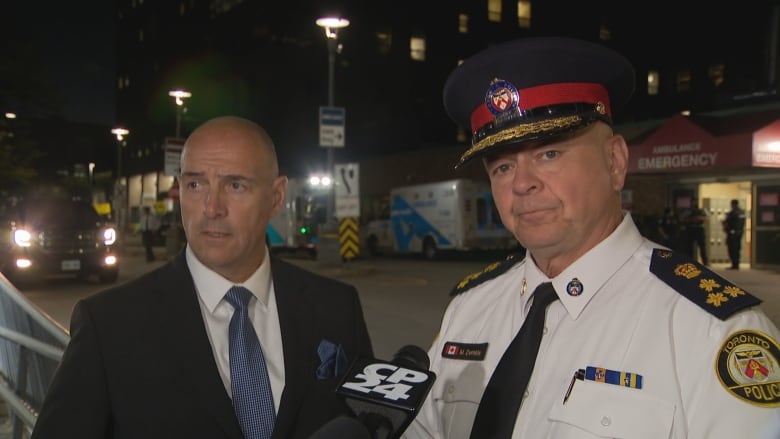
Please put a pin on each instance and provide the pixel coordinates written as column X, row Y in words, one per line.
column 699, row 284
column 491, row 271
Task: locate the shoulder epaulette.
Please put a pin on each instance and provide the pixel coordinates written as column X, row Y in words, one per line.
column 487, row 273
column 699, row 284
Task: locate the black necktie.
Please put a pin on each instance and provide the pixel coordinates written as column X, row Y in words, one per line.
column 501, row 401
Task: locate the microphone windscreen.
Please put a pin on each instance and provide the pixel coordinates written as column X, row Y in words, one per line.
column 342, row 427
column 412, row 356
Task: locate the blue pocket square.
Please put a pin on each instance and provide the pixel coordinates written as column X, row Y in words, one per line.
column 333, row 360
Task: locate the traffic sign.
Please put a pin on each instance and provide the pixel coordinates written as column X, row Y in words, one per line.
column 332, row 127
column 347, row 190
column 173, row 148
column 349, row 239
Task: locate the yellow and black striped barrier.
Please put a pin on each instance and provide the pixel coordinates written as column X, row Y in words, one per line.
column 348, row 238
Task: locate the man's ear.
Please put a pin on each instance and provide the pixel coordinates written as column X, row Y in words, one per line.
column 618, row 151
column 278, row 193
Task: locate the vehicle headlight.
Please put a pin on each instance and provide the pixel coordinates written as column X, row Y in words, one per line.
column 22, row 238
column 109, row 236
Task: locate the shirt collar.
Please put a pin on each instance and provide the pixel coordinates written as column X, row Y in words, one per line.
column 589, row 273
column 211, row 286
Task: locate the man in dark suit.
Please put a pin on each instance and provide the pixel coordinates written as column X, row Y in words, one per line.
column 154, row 358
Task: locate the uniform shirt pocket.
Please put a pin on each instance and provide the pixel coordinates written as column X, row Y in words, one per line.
column 459, row 395
column 611, row 411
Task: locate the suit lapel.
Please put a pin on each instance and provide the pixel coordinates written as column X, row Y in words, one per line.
column 294, row 305
column 182, row 325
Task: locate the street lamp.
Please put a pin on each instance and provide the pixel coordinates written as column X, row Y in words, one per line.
column 172, row 240
column 119, row 194
column 179, row 96
column 332, row 25
column 91, row 172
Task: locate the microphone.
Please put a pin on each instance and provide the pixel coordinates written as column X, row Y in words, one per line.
column 386, row 396
column 342, row 427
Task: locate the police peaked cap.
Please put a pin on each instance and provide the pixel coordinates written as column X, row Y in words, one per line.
column 535, row 89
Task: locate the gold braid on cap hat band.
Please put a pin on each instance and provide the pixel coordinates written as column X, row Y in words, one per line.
column 520, row 131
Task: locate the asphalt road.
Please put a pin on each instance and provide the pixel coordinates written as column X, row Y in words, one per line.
column 403, row 298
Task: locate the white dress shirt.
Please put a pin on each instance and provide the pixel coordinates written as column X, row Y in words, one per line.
column 211, row 289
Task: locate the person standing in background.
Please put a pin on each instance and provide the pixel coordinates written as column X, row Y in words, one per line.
column 149, row 225
column 695, row 234
column 667, row 229
column 734, row 227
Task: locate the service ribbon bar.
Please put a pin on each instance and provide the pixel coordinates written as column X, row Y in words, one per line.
column 616, row 377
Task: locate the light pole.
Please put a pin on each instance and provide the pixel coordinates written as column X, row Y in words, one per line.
column 328, row 251
column 172, row 245
column 119, row 194
column 332, row 25
column 179, row 96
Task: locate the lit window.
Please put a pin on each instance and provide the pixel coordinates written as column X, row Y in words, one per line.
column 463, row 23
column 494, row 10
column 523, row 14
column 716, row 74
column 683, row 80
column 385, row 42
column 653, row 82
column 417, row 46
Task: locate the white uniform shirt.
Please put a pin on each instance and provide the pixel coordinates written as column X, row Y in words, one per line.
column 217, row 312
column 625, row 319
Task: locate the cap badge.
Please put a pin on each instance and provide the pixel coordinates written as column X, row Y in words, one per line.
column 501, row 96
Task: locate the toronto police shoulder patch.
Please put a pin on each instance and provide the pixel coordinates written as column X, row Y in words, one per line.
column 487, row 273
column 699, row 284
column 747, row 367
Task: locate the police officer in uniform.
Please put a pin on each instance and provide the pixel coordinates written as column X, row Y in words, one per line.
column 734, row 227
column 695, row 234
column 638, row 341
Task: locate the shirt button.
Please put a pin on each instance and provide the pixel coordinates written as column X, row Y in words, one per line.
column 451, row 388
column 544, row 331
column 525, row 394
column 605, row 421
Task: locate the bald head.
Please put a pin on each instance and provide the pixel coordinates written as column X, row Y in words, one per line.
column 230, row 189
column 228, row 131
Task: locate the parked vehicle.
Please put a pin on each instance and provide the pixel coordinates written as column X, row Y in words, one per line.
column 62, row 235
column 295, row 228
column 457, row 215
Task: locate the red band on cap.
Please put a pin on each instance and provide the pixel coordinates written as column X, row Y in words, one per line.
column 546, row 95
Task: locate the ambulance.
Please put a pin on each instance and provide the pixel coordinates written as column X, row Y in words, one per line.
column 295, row 227
column 431, row 218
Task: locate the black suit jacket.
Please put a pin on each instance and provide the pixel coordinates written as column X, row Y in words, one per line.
column 139, row 363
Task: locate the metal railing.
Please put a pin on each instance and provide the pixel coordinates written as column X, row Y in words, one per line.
column 31, row 347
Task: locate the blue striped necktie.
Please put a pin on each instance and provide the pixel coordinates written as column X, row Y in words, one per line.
column 252, row 400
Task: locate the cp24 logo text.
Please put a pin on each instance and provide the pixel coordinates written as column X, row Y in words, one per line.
column 391, row 381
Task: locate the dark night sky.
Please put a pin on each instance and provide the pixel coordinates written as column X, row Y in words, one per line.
column 75, row 43
column 77, row 51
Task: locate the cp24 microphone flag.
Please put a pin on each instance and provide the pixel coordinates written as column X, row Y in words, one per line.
column 386, row 396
